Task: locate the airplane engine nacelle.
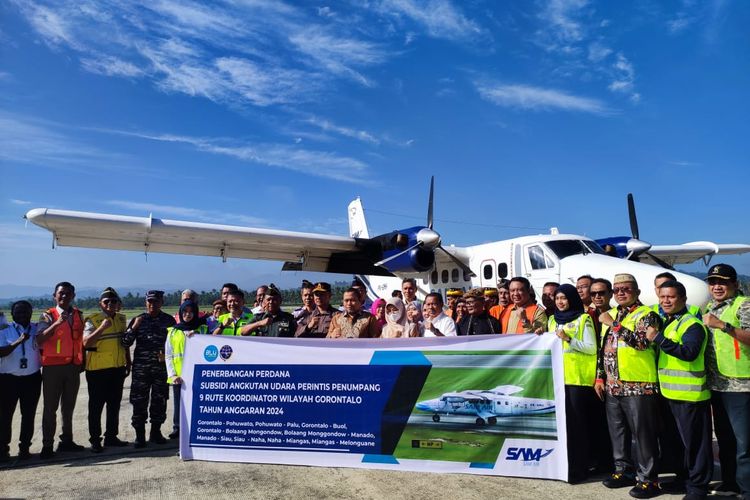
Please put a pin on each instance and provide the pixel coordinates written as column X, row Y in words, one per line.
column 625, row 245
column 417, row 260
column 619, row 242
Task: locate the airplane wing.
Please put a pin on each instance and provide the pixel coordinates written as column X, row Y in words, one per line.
column 301, row 251
column 690, row 252
column 507, row 389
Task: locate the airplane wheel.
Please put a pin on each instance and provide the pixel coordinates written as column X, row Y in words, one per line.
column 436, row 418
column 480, row 421
column 492, row 420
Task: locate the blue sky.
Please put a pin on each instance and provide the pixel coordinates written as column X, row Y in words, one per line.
column 272, row 114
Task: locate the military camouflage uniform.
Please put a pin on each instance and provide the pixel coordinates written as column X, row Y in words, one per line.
column 149, row 370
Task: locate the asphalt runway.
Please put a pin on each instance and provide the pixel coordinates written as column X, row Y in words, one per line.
column 532, row 426
column 158, row 472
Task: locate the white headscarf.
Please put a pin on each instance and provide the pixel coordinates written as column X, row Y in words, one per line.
column 394, row 328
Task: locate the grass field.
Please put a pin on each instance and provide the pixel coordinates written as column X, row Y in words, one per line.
column 171, row 310
column 131, row 313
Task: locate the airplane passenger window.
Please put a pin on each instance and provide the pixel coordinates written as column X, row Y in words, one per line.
column 444, row 276
column 466, row 276
column 502, row 270
column 433, row 277
column 425, row 280
column 537, row 258
column 454, row 276
column 487, row 272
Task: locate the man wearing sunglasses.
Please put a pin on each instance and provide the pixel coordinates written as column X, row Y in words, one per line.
column 107, row 365
column 626, row 379
column 727, row 315
column 601, row 296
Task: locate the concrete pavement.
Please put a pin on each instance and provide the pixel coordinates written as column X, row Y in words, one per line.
column 157, row 472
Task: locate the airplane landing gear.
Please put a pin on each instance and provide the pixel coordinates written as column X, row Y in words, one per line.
column 480, row 421
column 436, row 418
column 492, row 420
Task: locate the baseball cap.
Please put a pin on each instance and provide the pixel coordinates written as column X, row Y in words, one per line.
column 322, row 286
column 722, row 271
column 154, row 294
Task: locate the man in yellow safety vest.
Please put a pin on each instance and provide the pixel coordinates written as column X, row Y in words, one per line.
column 727, row 315
column 682, row 381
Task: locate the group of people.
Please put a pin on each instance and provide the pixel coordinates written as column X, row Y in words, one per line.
column 658, row 374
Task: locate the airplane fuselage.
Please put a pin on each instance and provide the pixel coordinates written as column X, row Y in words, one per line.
column 559, row 258
column 486, row 407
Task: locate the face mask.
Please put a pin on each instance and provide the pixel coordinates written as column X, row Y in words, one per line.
column 394, row 317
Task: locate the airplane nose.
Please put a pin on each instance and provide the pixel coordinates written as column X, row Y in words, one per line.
column 424, row 406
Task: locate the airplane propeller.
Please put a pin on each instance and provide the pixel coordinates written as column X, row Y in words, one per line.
column 636, row 246
column 429, row 238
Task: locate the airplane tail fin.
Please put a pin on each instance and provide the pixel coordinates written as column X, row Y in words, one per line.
column 357, row 223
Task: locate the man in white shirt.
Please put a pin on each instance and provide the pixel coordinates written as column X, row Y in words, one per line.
column 409, row 290
column 436, row 323
column 20, row 378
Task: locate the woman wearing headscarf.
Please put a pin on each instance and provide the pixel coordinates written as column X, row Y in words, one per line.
column 378, row 310
column 395, row 317
column 576, row 331
column 174, row 349
column 413, row 317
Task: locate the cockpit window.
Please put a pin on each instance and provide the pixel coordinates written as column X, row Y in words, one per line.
column 566, row 248
column 538, row 259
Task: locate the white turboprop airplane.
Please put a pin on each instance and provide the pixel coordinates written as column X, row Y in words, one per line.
column 486, row 405
column 383, row 260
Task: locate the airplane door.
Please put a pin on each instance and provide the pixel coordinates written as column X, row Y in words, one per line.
column 540, row 266
column 487, row 274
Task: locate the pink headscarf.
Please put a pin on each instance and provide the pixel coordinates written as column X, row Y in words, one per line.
column 374, row 311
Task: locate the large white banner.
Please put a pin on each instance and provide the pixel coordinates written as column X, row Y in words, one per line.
column 477, row 405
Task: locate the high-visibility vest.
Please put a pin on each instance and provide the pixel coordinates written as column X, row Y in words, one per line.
column 233, row 329
column 732, row 356
column 65, row 345
column 496, row 311
column 108, row 352
column 679, row 379
column 579, row 368
column 176, row 339
column 634, row 365
column 529, row 311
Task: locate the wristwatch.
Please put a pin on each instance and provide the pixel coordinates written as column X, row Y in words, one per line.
column 728, row 328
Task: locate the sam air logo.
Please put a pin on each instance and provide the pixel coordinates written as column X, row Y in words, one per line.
column 528, row 454
column 210, row 353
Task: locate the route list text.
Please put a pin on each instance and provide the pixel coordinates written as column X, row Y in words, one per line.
column 296, row 407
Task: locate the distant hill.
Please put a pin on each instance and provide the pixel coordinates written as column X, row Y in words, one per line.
column 11, row 293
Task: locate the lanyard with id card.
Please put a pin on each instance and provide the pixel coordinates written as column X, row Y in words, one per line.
column 24, row 362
